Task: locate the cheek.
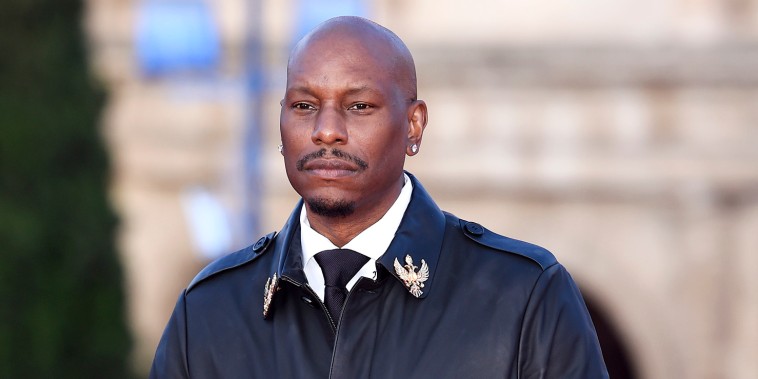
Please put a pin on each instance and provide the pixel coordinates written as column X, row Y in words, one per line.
column 291, row 148
column 386, row 150
column 291, row 125
column 293, row 136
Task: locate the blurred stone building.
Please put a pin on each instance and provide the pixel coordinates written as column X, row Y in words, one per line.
column 622, row 135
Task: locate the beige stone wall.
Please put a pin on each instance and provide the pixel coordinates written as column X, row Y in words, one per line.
column 621, row 135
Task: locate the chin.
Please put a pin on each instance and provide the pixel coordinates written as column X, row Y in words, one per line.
column 330, row 207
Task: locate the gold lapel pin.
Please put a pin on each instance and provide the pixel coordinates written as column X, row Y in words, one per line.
column 411, row 278
column 268, row 293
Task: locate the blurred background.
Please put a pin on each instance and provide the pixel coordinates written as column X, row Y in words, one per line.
column 139, row 142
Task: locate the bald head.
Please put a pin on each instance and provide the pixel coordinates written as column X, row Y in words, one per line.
column 356, row 35
column 348, row 119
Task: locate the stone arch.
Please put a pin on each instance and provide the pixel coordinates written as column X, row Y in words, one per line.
column 635, row 320
column 619, row 362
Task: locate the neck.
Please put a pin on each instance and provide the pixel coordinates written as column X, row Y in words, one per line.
column 341, row 230
column 338, row 233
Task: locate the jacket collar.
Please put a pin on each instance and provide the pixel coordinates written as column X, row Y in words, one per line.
column 419, row 237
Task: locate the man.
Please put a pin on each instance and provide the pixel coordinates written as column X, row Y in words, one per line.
column 368, row 278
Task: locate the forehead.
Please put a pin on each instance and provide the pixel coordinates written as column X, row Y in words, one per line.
column 340, row 60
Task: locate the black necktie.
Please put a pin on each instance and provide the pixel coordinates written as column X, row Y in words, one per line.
column 338, row 266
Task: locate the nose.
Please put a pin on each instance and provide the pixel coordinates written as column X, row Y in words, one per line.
column 330, row 127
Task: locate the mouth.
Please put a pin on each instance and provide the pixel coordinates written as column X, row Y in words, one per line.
column 334, row 166
column 330, row 168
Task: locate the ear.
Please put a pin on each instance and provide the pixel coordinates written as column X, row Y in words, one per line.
column 417, row 118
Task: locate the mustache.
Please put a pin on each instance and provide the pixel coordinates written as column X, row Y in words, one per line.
column 335, row 152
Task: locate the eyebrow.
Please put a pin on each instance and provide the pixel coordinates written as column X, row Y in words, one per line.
column 354, row 90
column 363, row 88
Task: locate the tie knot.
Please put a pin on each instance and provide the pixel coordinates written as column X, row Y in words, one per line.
column 340, row 265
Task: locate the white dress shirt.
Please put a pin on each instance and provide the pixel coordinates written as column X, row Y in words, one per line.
column 372, row 242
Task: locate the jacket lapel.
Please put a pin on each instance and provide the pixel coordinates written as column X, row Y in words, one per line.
column 419, row 237
column 288, row 257
column 287, row 261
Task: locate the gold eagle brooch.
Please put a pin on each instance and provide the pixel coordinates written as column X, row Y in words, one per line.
column 411, row 278
column 268, row 294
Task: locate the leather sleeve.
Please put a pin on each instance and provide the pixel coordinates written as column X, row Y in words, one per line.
column 558, row 339
column 171, row 356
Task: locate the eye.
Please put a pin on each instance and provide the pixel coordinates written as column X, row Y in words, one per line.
column 303, row 106
column 360, row 107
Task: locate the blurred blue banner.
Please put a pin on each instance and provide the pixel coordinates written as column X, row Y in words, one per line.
column 175, row 36
column 312, row 13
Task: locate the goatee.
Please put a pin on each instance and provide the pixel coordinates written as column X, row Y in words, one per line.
column 330, row 208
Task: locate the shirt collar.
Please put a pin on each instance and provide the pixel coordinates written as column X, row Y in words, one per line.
column 372, row 242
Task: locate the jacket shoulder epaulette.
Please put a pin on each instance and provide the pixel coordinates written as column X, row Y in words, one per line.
column 235, row 259
column 486, row 237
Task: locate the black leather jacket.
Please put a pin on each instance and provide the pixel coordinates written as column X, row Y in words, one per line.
column 492, row 307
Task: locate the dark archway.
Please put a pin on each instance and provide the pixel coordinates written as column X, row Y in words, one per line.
column 615, row 353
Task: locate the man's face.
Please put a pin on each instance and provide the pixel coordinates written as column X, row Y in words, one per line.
column 344, row 126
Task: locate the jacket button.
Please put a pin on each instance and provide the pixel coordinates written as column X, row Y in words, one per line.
column 260, row 244
column 474, row 228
